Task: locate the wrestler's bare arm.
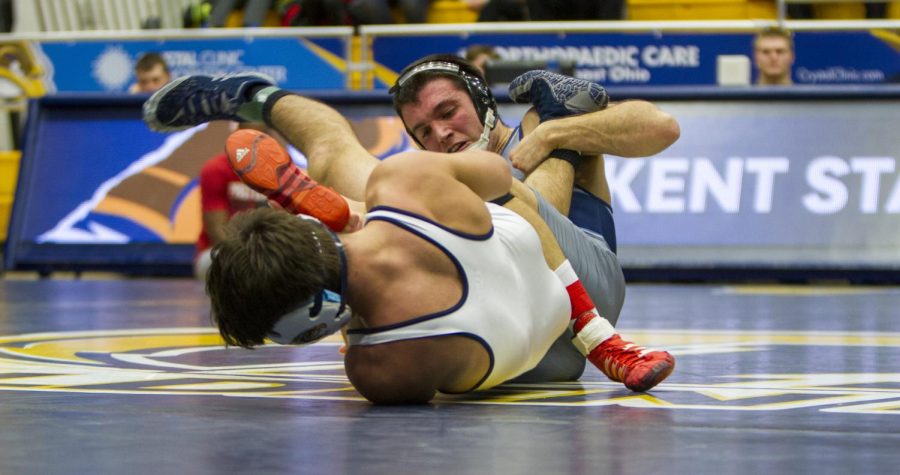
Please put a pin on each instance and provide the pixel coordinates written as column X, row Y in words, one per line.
column 450, row 189
column 625, row 129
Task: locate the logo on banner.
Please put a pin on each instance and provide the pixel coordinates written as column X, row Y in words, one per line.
column 830, row 184
column 622, row 64
column 156, row 197
column 112, row 69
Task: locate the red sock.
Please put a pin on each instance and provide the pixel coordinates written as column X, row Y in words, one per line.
column 578, row 296
column 584, row 312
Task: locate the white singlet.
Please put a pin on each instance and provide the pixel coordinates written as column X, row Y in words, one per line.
column 512, row 303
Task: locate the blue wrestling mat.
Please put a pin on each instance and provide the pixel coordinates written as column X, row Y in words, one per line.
column 113, row 376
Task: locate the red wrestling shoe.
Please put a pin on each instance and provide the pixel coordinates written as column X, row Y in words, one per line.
column 265, row 166
column 638, row 368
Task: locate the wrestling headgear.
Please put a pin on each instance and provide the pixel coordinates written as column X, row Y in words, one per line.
column 324, row 313
column 479, row 92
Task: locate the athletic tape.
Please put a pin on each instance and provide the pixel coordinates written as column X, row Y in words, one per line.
column 592, row 333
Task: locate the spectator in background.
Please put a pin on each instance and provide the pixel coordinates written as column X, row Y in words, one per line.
column 553, row 10
column 479, row 55
column 222, row 195
column 773, row 55
column 313, row 12
column 369, row 12
column 499, row 10
column 876, row 10
column 873, row 11
column 414, row 11
column 350, row 12
column 374, row 12
column 547, row 10
column 6, row 16
column 151, row 72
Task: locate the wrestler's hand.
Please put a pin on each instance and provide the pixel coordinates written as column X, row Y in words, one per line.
column 354, row 223
column 343, row 349
column 555, row 95
column 533, row 149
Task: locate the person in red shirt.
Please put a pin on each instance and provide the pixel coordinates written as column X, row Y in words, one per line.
column 222, row 195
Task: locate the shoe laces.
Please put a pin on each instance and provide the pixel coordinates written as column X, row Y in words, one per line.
column 218, row 98
column 214, row 102
column 619, row 357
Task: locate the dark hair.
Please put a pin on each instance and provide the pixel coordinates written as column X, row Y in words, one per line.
column 474, row 51
column 775, row 32
column 469, row 80
column 268, row 263
column 148, row 60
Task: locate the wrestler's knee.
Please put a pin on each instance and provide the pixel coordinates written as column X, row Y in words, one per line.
column 563, row 362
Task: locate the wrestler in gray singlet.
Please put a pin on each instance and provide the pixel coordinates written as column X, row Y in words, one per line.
column 587, row 247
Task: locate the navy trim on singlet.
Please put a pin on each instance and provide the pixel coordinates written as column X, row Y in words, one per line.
column 475, row 237
column 486, row 347
column 463, row 278
column 503, row 199
column 462, row 273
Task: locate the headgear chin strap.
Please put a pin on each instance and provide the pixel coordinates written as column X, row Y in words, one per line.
column 482, row 142
column 479, row 92
column 320, row 315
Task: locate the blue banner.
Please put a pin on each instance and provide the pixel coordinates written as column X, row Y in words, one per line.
column 628, row 59
column 646, row 59
column 107, row 66
column 767, row 181
column 93, row 173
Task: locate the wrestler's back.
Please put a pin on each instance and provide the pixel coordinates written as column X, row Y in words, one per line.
column 419, row 279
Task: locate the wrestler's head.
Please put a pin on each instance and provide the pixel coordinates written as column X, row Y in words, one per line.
column 269, row 278
column 445, row 104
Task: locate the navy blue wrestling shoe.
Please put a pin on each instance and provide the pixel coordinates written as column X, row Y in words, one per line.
column 192, row 100
column 555, row 95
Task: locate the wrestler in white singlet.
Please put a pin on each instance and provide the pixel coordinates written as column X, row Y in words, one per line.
column 516, row 332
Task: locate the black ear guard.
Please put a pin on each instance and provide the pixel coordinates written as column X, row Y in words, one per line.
column 318, row 316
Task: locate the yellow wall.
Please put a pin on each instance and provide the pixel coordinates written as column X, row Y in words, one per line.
column 700, row 10
column 450, row 11
column 9, row 173
column 742, row 10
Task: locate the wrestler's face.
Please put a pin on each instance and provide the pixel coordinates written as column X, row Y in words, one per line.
column 444, row 118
